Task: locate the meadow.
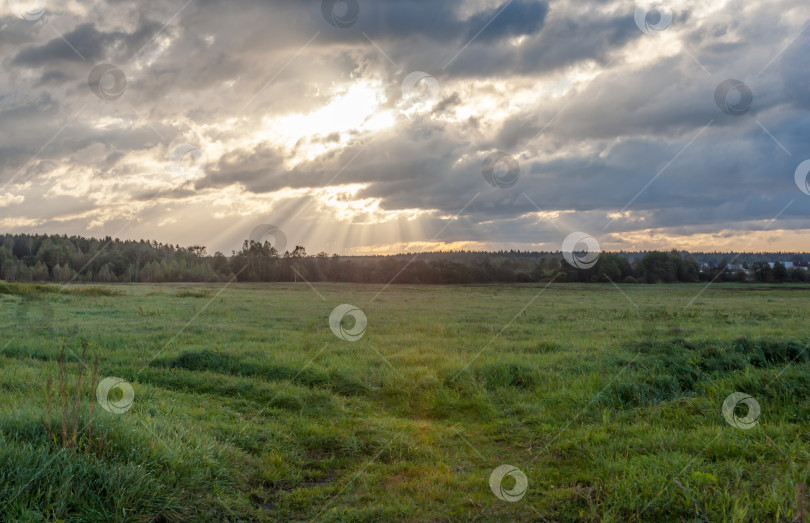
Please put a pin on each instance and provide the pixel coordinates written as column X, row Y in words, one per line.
column 247, row 407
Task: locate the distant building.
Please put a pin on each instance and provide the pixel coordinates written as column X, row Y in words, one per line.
column 788, row 265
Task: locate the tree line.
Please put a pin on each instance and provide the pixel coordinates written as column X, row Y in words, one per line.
column 63, row 259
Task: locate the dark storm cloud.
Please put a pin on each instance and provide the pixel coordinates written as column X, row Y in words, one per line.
column 260, row 170
column 445, row 21
column 555, row 46
column 451, row 101
column 13, row 116
column 90, row 43
column 14, row 31
column 516, row 19
column 52, row 77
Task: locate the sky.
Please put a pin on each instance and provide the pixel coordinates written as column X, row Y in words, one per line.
column 376, row 127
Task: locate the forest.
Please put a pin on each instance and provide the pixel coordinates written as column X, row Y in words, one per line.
column 42, row 258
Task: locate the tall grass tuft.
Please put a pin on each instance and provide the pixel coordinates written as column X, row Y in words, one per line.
column 71, row 401
column 30, row 289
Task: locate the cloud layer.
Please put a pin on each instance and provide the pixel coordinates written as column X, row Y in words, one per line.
column 289, row 116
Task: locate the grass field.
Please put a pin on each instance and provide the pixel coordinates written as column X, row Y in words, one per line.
column 248, row 407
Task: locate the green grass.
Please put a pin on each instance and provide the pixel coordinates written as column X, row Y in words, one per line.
column 33, row 289
column 248, row 407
